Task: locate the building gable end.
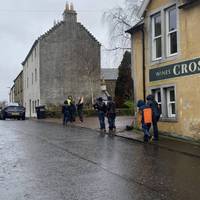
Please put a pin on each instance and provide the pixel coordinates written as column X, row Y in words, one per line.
column 41, row 38
column 90, row 34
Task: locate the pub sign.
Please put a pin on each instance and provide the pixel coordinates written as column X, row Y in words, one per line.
column 185, row 68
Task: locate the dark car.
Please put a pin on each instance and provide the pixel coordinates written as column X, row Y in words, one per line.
column 15, row 112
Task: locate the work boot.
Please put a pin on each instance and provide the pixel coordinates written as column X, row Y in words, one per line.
column 103, row 132
column 146, row 138
column 150, row 138
column 111, row 132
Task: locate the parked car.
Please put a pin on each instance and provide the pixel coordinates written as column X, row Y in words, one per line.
column 15, row 112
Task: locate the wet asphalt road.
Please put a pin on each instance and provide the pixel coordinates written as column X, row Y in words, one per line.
column 44, row 161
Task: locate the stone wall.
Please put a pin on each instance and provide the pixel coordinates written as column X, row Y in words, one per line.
column 69, row 64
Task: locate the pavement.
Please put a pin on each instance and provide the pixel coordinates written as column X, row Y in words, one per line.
column 167, row 142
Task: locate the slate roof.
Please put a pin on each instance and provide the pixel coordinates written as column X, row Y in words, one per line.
column 109, row 73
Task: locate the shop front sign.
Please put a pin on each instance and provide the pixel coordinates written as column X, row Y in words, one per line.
column 185, row 68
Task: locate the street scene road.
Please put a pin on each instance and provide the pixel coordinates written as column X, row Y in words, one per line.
column 46, row 161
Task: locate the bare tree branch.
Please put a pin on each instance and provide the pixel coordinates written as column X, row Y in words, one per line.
column 119, row 20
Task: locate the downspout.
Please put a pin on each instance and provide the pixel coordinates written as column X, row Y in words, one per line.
column 143, row 63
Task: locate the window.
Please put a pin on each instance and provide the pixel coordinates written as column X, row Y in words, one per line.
column 38, row 102
column 171, row 31
column 35, row 75
column 156, row 37
column 166, row 98
column 32, row 78
column 164, row 33
column 171, row 104
column 33, row 108
column 157, row 94
column 27, row 82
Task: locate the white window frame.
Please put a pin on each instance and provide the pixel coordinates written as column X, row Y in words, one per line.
column 156, row 98
column 165, row 102
column 169, row 102
column 168, row 32
column 154, row 38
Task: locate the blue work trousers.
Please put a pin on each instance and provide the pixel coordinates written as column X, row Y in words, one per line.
column 111, row 121
column 66, row 118
column 101, row 116
column 155, row 128
column 146, row 128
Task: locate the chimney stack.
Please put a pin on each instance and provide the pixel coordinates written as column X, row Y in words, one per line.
column 69, row 15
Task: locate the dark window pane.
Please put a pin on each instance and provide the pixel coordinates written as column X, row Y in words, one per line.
column 173, row 43
column 160, row 107
column 158, row 48
column 157, row 25
column 173, row 109
column 172, row 20
column 159, row 96
column 172, row 95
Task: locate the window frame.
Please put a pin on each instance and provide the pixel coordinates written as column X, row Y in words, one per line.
column 165, row 56
column 35, row 74
column 168, row 32
column 33, row 109
column 166, row 115
column 169, row 102
column 155, row 92
column 154, row 38
column 32, row 77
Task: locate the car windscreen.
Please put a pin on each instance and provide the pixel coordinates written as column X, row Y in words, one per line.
column 14, row 109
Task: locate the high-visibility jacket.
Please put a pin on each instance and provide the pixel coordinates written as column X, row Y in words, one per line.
column 147, row 115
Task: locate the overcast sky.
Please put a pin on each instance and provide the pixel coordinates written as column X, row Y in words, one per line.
column 23, row 21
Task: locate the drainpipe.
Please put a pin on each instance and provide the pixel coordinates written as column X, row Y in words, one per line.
column 143, row 63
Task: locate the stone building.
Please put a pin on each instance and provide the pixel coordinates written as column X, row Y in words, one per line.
column 166, row 62
column 109, row 78
column 18, row 89
column 63, row 61
column 12, row 94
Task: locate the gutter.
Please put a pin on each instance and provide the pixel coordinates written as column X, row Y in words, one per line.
column 143, row 63
column 188, row 3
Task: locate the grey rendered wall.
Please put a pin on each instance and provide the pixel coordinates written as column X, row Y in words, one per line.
column 70, row 61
